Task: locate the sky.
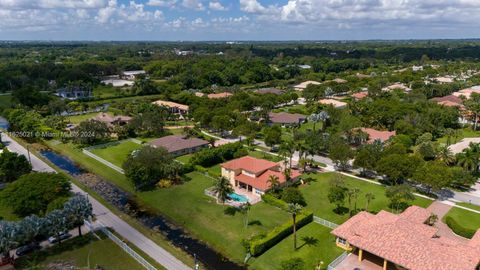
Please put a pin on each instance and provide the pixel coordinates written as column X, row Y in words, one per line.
column 197, row 20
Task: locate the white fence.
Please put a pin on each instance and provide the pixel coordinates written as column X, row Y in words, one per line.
column 325, row 222
column 337, row 261
column 123, row 245
column 105, row 162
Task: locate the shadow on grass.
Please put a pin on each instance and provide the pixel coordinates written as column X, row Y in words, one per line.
column 308, row 241
column 35, row 259
column 342, row 210
column 255, row 222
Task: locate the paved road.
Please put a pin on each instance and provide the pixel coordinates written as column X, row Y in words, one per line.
column 106, row 217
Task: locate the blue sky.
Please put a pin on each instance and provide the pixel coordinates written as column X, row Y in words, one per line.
column 238, row 19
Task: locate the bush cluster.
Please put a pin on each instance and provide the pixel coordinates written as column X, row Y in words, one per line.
column 459, row 229
column 211, row 156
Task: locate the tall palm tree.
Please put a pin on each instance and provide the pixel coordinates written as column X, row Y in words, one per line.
column 222, row 188
column 444, row 154
column 469, row 159
column 323, row 116
column 294, row 209
column 273, row 182
column 287, row 148
column 245, row 210
column 369, row 197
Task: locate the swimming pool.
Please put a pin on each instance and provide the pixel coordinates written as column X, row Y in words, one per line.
column 238, row 198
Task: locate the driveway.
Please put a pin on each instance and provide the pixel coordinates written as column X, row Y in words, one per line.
column 106, row 217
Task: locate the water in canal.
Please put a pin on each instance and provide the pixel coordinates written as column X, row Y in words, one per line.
column 126, row 203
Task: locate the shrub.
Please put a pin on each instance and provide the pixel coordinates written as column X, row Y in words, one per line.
column 292, row 264
column 459, row 229
column 164, row 183
column 276, row 235
column 270, row 199
column 293, row 195
column 211, row 156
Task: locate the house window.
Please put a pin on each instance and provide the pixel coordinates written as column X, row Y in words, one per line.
column 342, row 241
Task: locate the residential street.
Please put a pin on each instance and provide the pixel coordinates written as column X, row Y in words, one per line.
column 106, row 217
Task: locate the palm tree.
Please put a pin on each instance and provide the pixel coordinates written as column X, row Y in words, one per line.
column 444, row 154
column 469, row 159
column 78, row 209
column 294, row 209
column 287, row 172
column 287, row 149
column 222, row 188
column 303, row 163
column 9, row 236
column 32, row 227
column 57, row 222
column 245, row 209
column 273, row 182
column 314, row 118
column 369, row 197
column 356, row 191
column 323, row 116
column 449, row 132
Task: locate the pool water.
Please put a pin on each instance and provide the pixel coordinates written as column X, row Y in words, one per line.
column 238, row 198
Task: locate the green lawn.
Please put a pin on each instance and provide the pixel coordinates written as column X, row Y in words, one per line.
column 469, row 205
column 463, row 133
column 467, row 219
column 106, row 91
column 321, row 247
column 302, row 109
column 76, row 119
column 82, row 252
column 117, row 153
column 185, row 158
column 263, row 155
column 316, row 195
column 91, row 164
column 204, row 218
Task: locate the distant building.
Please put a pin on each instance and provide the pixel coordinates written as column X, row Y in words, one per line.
column 417, row 68
column 219, row 95
column 75, row 92
column 304, row 66
column 118, row 120
column 403, row 241
column 286, row 119
column 467, row 92
column 252, row 174
column 338, row 80
column 449, row 101
column 360, row 95
column 173, row 106
column 335, row 103
column 275, row 91
column 115, row 82
column 377, row 135
column 178, row 145
column 132, row 74
column 303, row 85
column 443, row 80
column 397, row 86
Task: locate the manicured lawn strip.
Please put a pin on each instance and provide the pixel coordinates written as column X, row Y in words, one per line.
column 465, row 218
column 323, row 250
column 469, row 205
column 185, row 158
column 204, row 218
column 117, row 154
column 316, row 195
column 153, row 235
column 463, row 133
column 79, row 252
column 263, row 155
column 80, row 118
column 92, row 165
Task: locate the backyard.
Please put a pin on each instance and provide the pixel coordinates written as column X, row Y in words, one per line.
column 116, row 153
column 315, row 245
column 82, row 252
column 316, row 195
column 187, row 205
column 468, row 219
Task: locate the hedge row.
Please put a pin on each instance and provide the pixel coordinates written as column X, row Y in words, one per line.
column 258, row 246
column 459, row 229
column 267, row 198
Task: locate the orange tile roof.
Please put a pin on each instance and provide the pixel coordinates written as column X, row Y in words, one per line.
column 360, row 95
column 250, row 164
column 374, row 134
column 171, row 104
column 219, row 95
column 406, row 241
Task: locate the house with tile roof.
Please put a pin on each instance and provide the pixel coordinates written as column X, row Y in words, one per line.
column 178, row 145
column 252, row 174
column 377, row 135
column 286, row 119
column 403, row 241
column 117, row 120
column 360, row 95
column 335, row 103
column 303, row 85
column 173, row 106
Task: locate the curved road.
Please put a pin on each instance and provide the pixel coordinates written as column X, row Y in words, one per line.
column 105, row 216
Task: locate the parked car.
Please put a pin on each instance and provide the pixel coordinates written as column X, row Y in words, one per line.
column 62, row 236
column 23, row 250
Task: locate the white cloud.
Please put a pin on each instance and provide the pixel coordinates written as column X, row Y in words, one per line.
column 193, row 4
column 161, row 3
column 215, row 5
column 251, row 6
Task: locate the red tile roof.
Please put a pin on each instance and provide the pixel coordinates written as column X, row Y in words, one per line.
column 360, row 95
column 260, row 167
column 406, row 241
column 374, row 134
column 250, row 164
column 219, row 95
